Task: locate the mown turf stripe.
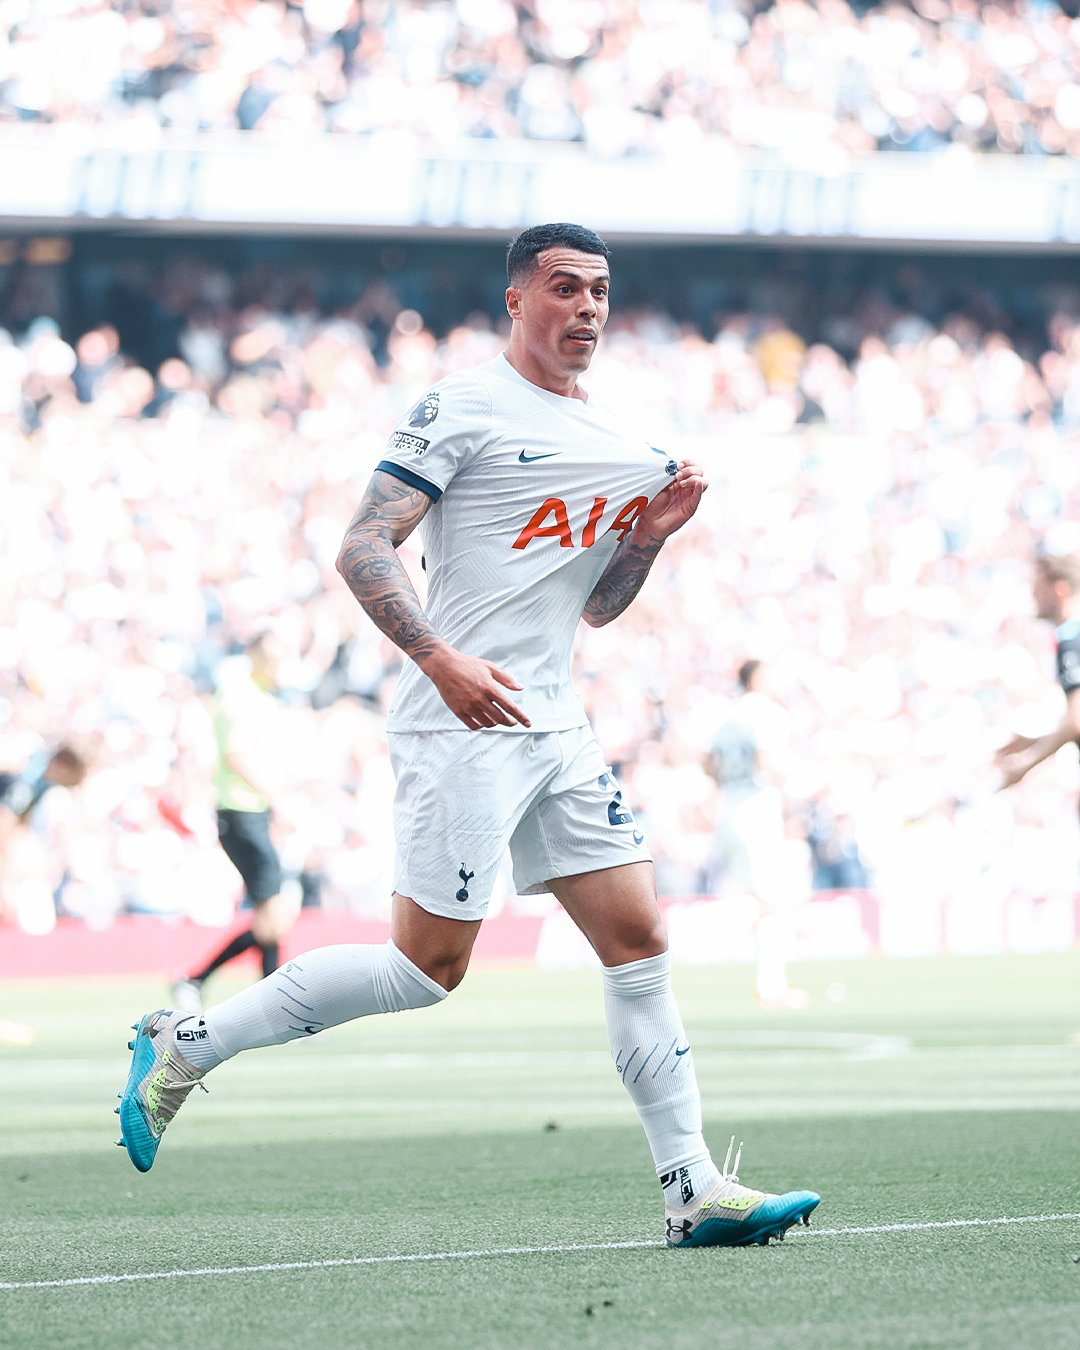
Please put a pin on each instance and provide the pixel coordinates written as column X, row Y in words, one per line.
column 404, row 1259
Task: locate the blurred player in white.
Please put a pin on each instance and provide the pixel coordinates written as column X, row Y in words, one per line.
column 536, row 507
column 752, row 853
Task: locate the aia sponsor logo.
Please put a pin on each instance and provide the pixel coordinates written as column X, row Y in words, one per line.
column 551, row 520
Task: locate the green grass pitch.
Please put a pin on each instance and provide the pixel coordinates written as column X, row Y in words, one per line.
column 376, row 1187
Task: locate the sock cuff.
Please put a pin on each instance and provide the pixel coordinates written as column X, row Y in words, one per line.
column 694, row 1154
column 636, row 979
column 410, row 971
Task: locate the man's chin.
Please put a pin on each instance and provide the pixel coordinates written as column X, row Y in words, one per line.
column 579, row 358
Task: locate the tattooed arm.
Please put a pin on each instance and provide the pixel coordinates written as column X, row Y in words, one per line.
column 473, row 689
column 621, row 579
column 629, row 565
column 388, row 513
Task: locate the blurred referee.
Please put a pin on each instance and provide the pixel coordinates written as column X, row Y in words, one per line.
column 244, row 716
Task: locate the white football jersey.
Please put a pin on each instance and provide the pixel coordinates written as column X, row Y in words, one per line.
column 532, row 493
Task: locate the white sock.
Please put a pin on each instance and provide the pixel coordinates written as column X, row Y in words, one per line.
column 320, row 989
column 653, row 1057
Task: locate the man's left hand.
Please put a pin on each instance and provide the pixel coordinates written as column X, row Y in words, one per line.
column 672, row 507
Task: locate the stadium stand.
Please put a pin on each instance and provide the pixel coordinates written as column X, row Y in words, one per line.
column 186, row 423
column 832, row 81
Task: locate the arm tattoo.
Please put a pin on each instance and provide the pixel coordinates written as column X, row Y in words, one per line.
column 620, row 581
column 388, row 513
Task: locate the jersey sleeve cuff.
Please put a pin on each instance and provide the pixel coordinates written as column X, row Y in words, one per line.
column 407, row 476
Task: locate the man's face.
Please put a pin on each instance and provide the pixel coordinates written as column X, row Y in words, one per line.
column 1049, row 598
column 562, row 308
column 65, row 772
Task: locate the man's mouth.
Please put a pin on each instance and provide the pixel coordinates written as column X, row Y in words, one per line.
column 582, row 336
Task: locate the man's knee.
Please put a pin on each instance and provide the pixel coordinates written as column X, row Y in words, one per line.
column 645, row 938
column 406, row 984
column 439, row 947
column 272, row 920
column 446, row 969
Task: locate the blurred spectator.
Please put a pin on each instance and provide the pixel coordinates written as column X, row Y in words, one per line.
column 836, row 859
column 29, row 874
column 820, row 84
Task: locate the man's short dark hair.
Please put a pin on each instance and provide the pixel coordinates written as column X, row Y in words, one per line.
column 522, row 253
column 1060, row 567
column 71, row 758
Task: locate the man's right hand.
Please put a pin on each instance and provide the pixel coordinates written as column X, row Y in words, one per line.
column 1012, row 762
column 473, row 689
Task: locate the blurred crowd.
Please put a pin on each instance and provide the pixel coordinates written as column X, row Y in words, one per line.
column 878, row 486
column 816, row 83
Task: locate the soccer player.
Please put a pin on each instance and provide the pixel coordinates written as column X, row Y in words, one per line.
column 751, row 850
column 536, row 507
column 1056, row 589
column 244, row 714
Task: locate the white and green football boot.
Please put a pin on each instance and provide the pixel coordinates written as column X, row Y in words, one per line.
column 732, row 1215
column 158, row 1083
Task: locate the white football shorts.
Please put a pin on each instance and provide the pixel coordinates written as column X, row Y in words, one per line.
column 463, row 797
column 750, row 848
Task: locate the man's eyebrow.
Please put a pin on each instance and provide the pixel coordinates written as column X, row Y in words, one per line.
column 577, row 276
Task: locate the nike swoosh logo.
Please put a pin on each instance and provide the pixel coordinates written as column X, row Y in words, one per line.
column 683, row 1051
column 523, row 458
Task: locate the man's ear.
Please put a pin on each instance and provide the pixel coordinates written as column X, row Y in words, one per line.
column 513, row 302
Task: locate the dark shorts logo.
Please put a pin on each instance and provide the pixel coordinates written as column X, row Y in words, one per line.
column 466, row 877
column 403, row 440
column 617, row 814
column 425, row 411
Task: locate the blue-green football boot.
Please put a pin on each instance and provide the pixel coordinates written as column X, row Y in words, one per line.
column 158, row 1083
column 732, row 1215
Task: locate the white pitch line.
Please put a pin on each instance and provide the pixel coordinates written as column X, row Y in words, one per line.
column 495, row 1251
column 941, row 1223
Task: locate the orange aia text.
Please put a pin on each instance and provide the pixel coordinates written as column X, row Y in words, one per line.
column 551, row 520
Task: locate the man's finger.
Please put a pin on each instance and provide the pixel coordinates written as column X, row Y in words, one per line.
column 511, row 708
column 503, row 678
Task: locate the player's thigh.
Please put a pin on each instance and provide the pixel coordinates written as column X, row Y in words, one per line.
column 617, row 910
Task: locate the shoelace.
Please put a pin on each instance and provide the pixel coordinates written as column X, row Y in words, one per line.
column 733, row 1174
column 169, row 1105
